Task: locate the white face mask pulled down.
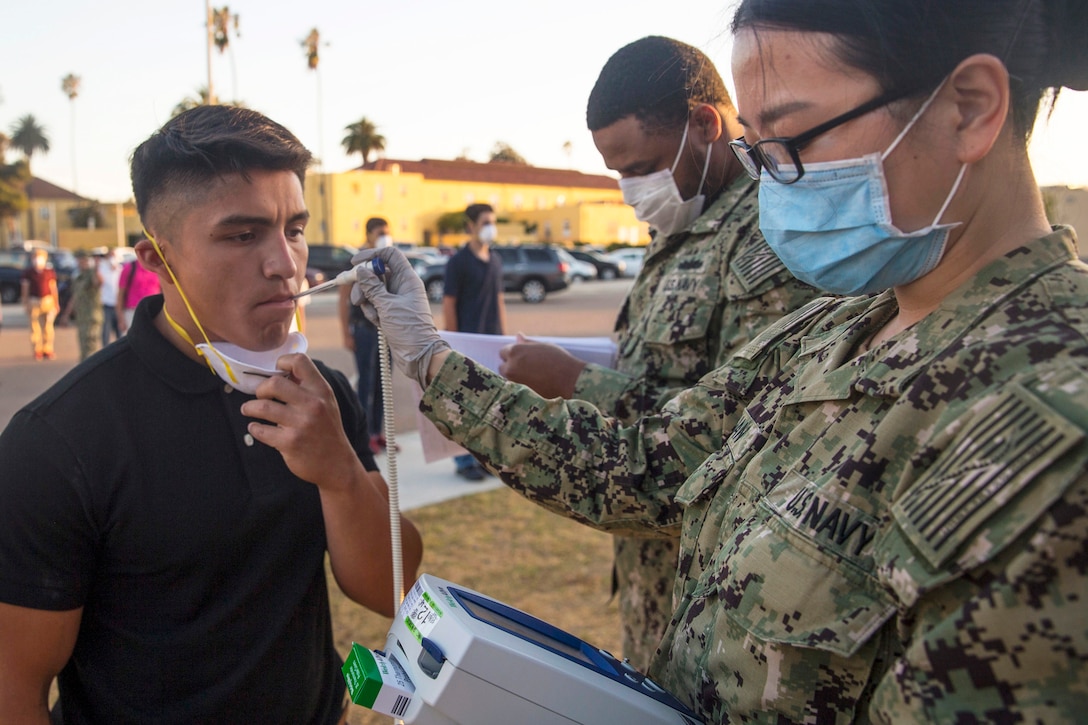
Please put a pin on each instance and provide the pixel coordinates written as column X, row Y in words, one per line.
column 241, row 369
column 657, row 200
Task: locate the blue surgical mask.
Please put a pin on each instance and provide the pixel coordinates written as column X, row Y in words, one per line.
column 833, row 227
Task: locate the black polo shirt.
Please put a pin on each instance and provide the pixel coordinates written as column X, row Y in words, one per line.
column 131, row 489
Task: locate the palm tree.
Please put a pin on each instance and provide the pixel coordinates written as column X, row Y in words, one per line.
column 29, row 137
column 362, row 138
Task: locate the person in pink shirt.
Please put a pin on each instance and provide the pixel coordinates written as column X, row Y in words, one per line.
column 135, row 283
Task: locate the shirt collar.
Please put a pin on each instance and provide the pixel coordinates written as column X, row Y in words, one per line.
column 888, row 369
column 166, row 361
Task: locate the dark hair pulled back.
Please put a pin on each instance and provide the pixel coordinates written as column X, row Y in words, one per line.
column 913, row 45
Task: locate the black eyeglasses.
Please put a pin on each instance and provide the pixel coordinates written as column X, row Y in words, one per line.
column 781, row 157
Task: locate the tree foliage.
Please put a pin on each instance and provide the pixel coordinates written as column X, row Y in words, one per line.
column 13, row 198
column 29, row 137
column 362, row 138
column 451, row 222
column 503, row 153
column 200, row 99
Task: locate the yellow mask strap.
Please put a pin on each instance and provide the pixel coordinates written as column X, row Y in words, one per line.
column 178, row 328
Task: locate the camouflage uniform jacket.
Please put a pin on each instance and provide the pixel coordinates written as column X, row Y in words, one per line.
column 900, row 535
column 700, row 295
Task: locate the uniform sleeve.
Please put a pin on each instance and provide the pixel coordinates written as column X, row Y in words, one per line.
column 571, row 458
column 1009, row 639
column 990, row 562
column 48, row 538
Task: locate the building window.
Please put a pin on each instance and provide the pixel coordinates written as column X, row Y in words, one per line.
column 403, row 190
column 566, row 228
column 560, row 200
column 378, row 192
column 518, row 201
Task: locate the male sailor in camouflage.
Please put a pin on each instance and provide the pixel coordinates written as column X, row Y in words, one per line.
column 882, row 500
column 662, row 119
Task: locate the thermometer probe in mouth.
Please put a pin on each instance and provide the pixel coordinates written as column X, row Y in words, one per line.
column 346, row 277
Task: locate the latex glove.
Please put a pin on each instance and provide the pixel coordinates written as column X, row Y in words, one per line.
column 398, row 306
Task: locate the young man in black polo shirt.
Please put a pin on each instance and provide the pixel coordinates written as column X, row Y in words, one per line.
column 473, row 300
column 165, row 519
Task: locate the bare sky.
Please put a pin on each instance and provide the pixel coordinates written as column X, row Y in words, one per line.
column 438, row 78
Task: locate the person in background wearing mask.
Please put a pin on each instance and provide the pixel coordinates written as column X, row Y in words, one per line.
column 109, row 269
column 882, row 499
column 361, row 337
column 473, row 300
column 661, row 117
column 85, row 303
column 166, row 559
column 42, row 302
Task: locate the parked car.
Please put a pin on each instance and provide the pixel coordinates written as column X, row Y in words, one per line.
column 533, row 270
column 14, row 261
column 606, row 267
column 580, row 270
column 330, row 259
column 432, row 270
column 632, row 257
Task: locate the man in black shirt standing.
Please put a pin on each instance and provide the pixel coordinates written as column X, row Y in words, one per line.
column 473, row 300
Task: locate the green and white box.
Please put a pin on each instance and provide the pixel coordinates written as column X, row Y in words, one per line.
column 377, row 682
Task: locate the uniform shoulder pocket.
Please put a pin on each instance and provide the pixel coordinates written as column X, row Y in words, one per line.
column 1004, row 469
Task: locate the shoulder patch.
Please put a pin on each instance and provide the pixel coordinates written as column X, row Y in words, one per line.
column 755, row 263
column 988, row 486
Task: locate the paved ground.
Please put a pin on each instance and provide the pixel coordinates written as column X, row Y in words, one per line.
column 587, row 309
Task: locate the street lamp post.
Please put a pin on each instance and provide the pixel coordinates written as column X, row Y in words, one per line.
column 311, row 45
column 70, row 85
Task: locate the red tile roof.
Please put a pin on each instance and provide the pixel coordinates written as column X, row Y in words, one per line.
column 494, row 173
column 41, row 189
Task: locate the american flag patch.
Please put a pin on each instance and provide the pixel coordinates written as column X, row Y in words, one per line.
column 1010, row 441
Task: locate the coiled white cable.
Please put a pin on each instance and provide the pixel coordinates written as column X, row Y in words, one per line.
column 389, row 423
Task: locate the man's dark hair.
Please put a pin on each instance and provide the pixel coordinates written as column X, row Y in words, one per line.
column 658, row 81
column 375, row 222
column 207, row 142
column 474, row 211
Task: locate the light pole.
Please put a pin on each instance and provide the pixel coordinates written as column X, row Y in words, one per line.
column 70, row 85
column 311, row 45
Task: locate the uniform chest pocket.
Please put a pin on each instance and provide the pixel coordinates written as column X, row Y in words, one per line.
column 683, row 307
column 782, row 587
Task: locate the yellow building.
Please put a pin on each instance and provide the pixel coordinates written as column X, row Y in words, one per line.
column 64, row 219
column 536, row 205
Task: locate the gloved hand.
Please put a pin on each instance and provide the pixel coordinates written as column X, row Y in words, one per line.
column 398, row 306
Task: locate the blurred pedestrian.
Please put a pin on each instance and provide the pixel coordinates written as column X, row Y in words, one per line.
column 136, row 282
column 109, row 268
column 42, row 302
column 473, row 299
column 361, row 337
column 85, row 303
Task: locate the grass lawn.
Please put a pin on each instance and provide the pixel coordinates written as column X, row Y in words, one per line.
column 501, row 545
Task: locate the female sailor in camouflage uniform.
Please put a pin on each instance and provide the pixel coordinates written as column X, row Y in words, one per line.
column 882, row 500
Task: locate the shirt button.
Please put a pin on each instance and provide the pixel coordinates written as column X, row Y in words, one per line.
column 248, row 439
